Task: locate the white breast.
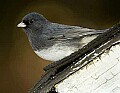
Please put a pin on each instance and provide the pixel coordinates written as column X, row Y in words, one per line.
column 55, row 52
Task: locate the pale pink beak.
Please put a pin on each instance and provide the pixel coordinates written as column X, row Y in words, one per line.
column 21, row 24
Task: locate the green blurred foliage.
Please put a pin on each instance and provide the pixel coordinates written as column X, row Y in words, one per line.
column 20, row 68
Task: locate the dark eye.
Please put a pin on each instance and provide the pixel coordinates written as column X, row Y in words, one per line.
column 31, row 21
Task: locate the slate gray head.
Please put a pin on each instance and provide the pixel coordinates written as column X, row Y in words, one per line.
column 32, row 21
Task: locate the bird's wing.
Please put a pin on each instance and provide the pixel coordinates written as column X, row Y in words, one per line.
column 60, row 32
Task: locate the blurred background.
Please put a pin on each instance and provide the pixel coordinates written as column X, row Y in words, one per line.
column 20, row 67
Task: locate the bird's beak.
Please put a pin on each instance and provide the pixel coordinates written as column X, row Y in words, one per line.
column 21, row 24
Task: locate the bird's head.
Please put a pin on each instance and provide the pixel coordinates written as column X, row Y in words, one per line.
column 32, row 22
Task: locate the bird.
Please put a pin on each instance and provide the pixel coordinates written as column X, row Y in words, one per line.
column 53, row 41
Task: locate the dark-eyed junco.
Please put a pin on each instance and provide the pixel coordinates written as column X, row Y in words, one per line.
column 53, row 41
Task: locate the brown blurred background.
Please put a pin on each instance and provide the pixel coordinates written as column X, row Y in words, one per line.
column 20, row 67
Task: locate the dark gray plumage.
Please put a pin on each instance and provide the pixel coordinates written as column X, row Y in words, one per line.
column 53, row 41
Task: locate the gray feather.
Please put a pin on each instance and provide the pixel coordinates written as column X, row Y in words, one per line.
column 47, row 38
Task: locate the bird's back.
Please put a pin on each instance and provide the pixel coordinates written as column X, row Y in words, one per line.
column 70, row 35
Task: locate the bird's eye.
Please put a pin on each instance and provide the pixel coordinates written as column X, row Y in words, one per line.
column 31, row 21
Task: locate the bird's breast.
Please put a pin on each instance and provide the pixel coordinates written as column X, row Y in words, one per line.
column 55, row 52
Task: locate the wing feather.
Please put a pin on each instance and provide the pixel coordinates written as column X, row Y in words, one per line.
column 59, row 32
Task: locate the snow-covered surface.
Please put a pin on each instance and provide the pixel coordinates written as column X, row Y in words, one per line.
column 102, row 75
